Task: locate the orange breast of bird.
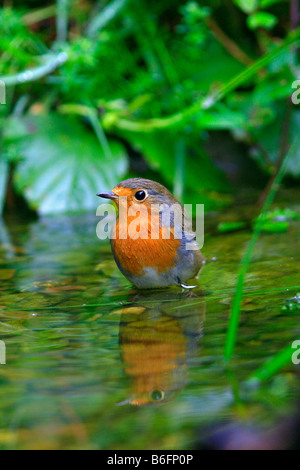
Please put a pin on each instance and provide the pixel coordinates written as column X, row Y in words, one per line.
column 134, row 255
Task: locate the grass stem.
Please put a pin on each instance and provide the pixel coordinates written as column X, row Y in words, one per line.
column 232, row 330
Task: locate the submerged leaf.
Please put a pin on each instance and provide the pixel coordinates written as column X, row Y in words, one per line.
column 6, row 274
column 277, row 220
column 275, row 226
column 231, row 226
column 281, row 215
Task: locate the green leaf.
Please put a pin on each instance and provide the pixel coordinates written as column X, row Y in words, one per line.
column 221, row 117
column 247, row 6
column 3, row 181
column 268, row 3
column 262, row 19
column 200, row 174
column 270, row 137
column 275, row 227
column 14, row 128
column 292, row 305
column 274, row 87
column 64, row 166
column 224, row 227
column 281, row 215
column 277, row 220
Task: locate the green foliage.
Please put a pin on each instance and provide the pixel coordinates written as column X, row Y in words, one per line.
column 277, row 220
column 162, row 77
column 282, row 215
column 3, row 181
column 18, row 45
column 159, row 149
column 151, row 89
column 193, row 27
column 292, row 305
column 262, row 20
column 247, row 6
column 224, row 227
column 275, row 227
column 76, row 166
column 270, row 137
column 232, row 331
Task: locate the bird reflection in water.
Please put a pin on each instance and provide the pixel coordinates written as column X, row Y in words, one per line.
column 159, row 334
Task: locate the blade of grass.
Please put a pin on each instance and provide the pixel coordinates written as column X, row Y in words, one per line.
column 232, row 330
column 271, row 367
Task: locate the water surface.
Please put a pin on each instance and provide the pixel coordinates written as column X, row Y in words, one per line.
column 94, row 364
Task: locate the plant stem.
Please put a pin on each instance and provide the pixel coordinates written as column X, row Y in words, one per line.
column 41, row 14
column 270, row 368
column 202, row 104
column 54, row 61
column 232, row 330
column 228, row 43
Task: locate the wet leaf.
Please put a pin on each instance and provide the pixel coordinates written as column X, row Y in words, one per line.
column 6, row 274
column 277, row 220
column 275, row 227
column 281, row 215
column 133, row 310
column 231, row 226
column 63, row 289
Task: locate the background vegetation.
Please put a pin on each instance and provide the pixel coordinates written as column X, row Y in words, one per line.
column 196, row 95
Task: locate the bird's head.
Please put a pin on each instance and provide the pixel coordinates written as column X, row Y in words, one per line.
column 139, row 191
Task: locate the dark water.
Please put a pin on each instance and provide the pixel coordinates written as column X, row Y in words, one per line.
column 93, row 363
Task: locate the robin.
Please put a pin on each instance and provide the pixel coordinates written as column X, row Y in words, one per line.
column 162, row 251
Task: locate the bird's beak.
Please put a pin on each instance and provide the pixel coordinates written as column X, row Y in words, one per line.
column 109, row 195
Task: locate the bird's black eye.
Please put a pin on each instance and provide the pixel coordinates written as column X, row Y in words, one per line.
column 140, row 195
column 157, row 395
